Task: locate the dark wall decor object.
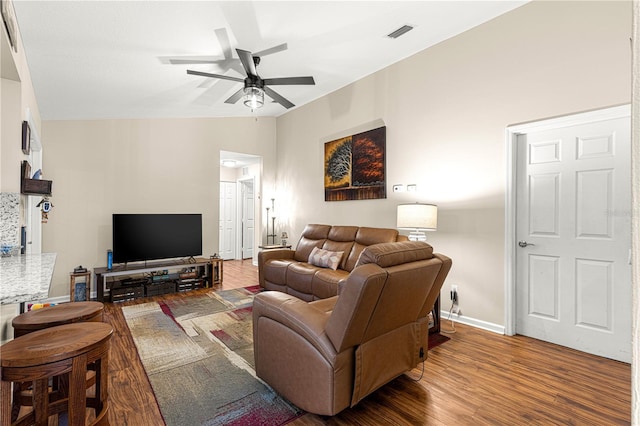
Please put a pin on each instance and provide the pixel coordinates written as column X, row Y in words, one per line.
column 26, row 137
column 354, row 166
column 32, row 186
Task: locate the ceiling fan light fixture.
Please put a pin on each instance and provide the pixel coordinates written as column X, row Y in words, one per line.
column 253, row 97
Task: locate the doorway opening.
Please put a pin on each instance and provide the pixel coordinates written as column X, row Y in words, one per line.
column 240, row 177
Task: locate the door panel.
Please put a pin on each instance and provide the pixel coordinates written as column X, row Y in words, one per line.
column 544, row 190
column 227, row 231
column 248, row 219
column 573, row 278
column 543, row 286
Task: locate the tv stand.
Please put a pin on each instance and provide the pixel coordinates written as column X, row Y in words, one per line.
column 120, row 283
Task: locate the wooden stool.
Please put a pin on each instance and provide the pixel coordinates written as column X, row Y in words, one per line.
column 51, row 316
column 53, row 352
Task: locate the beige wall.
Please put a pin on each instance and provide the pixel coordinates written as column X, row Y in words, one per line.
column 446, row 110
column 137, row 166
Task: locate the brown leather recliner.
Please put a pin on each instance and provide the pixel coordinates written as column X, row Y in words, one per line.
column 327, row 355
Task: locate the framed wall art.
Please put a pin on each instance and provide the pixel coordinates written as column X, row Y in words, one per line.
column 354, row 166
column 26, row 137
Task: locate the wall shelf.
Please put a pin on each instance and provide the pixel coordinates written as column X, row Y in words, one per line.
column 30, row 186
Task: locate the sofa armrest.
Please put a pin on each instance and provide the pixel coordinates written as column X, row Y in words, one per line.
column 265, row 255
column 300, row 316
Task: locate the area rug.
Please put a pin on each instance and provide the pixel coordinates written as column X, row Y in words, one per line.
column 198, row 354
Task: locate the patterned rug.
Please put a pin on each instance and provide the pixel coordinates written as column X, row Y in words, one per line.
column 198, row 354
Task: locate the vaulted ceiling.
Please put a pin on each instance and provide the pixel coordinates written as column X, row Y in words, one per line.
column 118, row 59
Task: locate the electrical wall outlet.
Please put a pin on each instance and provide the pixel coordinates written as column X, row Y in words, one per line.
column 454, row 294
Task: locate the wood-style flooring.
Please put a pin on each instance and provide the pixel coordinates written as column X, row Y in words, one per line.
column 476, row 378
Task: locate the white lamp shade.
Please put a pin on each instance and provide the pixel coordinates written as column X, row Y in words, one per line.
column 417, row 216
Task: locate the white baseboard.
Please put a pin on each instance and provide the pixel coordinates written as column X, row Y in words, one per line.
column 495, row 328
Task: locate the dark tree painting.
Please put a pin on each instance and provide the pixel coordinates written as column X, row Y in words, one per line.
column 354, row 166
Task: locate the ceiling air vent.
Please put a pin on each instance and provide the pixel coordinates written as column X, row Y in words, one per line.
column 400, row 31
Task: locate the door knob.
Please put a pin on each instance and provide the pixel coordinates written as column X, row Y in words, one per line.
column 524, row 244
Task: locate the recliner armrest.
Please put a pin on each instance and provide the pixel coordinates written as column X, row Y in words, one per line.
column 300, row 316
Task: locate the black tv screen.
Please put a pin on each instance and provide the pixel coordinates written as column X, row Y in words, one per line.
column 139, row 237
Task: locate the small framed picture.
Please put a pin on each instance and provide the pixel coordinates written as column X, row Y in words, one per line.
column 26, row 137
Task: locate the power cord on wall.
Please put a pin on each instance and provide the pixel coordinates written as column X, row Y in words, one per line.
column 454, row 305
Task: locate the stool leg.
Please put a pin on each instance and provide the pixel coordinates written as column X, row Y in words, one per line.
column 15, row 406
column 5, row 400
column 41, row 401
column 102, row 382
column 78, row 391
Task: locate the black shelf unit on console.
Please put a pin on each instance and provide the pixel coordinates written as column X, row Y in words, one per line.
column 151, row 279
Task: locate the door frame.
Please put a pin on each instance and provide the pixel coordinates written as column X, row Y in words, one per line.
column 511, row 137
column 239, row 212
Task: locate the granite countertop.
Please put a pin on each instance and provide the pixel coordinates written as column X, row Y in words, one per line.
column 26, row 278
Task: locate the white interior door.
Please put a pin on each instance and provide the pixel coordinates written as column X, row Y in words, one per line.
column 227, row 231
column 573, row 210
column 248, row 218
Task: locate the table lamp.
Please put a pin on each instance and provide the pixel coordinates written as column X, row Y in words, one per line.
column 418, row 217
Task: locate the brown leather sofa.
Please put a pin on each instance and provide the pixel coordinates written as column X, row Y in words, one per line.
column 289, row 271
column 326, row 355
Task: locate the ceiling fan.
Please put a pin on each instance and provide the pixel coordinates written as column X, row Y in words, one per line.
column 225, row 64
column 254, row 86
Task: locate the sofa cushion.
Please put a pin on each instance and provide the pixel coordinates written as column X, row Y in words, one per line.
column 325, row 258
column 325, row 282
column 344, row 247
column 299, row 276
column 276, row 272
column 304, row 248
column 343, row 233
column 312, row 236
column 369, row 236
column 366, row 237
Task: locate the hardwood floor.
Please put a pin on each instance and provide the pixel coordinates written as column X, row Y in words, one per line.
column 476, row 378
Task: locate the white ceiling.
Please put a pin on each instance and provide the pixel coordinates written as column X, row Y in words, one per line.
column 108, row 59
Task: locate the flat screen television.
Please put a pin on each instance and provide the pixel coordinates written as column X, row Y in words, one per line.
column 138, row 237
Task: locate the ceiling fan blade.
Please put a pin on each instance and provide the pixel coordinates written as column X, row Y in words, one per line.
column 220, row 76
column 191, row 61
column 247, row 62
column 235, row 97
column 223, row 39
column 278, row 98
column 289, row 81
column 272, row 50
